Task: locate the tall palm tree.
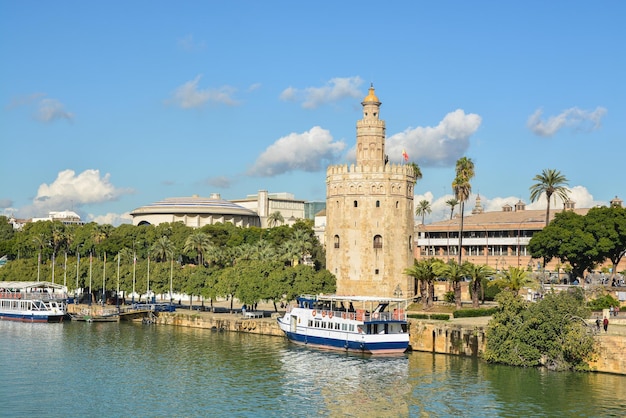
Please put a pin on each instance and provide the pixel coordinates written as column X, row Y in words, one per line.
column 417, row 171
column 424, row 272
column 551, row 182
column 462, row 190
column 198, row 242
column 274, row 219
column 423, row 209
column 454, row 273
column 477, row 273
column 452, row 203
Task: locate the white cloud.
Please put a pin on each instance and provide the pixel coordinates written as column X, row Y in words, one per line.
column 189, row 96
column 335, row 89
column 114, row 219
column 189, row 44
column 70, row 191
column 308, row 151
column 221, row 182
column 575, row 118
column 439, row 146
column 51, row 110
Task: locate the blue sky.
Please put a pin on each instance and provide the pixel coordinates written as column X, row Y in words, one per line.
column 109, row 106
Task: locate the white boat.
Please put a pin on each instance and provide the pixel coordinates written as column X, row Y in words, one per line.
column 350, row 323
column 32, row 301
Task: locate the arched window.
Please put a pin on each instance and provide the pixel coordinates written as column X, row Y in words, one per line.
column 336, row 239
column 378, row 203
column 356, row 204
column 397, row 204
column 378, row 241
column 410, row 242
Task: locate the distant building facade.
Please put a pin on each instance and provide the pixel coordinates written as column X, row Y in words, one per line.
column 369, row 215
column 66, row 217
column 498, row 239
column 195, row 212
column 264, row 204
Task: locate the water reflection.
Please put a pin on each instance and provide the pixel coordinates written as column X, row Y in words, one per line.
column 114, row 370
column 345, row 384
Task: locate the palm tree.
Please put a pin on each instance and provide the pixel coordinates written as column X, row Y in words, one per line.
column 303, row 240
column 162, row 249
column 290, row 252
column 551, row 182
column 416, row 171
column 424, row 272
column 513, row 279
column 454, row 273
column 198, row 242
column 452, row 203
column 477, row 272
column 423, row 209
column 462, row 190
column 274, row 219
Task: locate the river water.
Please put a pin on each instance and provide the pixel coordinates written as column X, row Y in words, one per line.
column 117, row 370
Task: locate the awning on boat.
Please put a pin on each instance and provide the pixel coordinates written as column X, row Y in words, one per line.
column 31, row 285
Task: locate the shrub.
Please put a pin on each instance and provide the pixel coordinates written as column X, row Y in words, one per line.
column 472, row 313
column 603, row 302
column 442, row 317
column 449, row 297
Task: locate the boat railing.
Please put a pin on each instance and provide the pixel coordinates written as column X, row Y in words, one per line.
column 362, row 315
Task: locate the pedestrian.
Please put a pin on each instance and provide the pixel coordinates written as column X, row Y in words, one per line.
column 598, row 322
column 606, row 324
column 616, row 310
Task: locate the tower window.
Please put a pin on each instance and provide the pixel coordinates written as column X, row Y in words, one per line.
column 336, row 239
column 378, row 203
column 410, row 242
column 397, row 204
column 376, row 271
column 356, row 204
column 378, row 241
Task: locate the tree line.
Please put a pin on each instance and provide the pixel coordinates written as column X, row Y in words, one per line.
column 221, row 260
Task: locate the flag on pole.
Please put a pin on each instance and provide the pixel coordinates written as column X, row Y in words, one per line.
column 405, row 155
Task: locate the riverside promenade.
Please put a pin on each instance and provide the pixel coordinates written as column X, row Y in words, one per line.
column 457, row 336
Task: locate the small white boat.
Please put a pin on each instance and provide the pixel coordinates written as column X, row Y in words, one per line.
column 351, row 323
column 32, row 301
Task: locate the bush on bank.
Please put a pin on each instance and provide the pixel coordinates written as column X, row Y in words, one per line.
column 552, row 333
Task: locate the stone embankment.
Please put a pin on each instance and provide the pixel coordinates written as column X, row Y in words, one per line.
column 463, row 336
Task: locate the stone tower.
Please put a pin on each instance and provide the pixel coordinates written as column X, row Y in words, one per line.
column 370, row 216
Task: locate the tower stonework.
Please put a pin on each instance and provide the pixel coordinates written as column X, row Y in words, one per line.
column 369, row 215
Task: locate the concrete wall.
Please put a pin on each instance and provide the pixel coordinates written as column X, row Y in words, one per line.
column 439, row 337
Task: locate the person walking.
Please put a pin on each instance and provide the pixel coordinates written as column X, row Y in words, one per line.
column 606, row 324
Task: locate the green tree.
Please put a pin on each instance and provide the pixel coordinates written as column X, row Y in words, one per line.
column 551, row 333
column 424, row 271
column 274, row 219
column 423, row 209
column 513, row 279
column 452, row 203
column 162, row 249
column 417, row 171
column 551, row 182
column 454, row 273
column 477, row 273
column 608, row 227
column 200, row 243
column 567, row 239
column 462, row 190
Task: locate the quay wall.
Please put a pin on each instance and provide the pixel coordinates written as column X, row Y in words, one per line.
column 441, row 337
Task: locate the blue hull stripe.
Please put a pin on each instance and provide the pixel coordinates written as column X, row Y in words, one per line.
column 347, row 345
column 31, row 318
